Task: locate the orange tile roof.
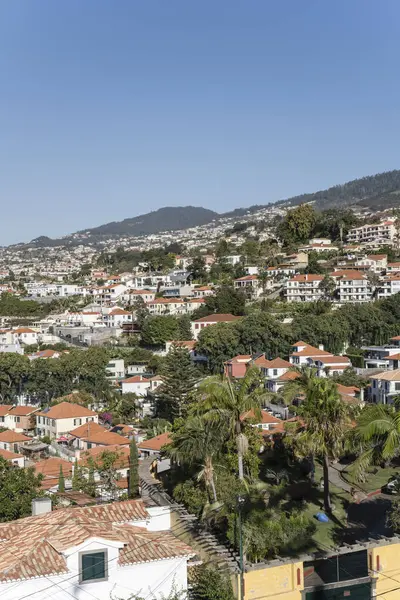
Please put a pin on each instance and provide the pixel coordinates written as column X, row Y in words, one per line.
column 156, row 443
column 189, row 344
column 247, row 278
column 395, row 338
column 23, row 411
column 119, row 311
column 24, row 330
column 5, row 409
column 311, row 351
column 347, row 389
column 35, row 546
column 279, row 363
column 265, row 417
column 307, row 278
column 336, row 360
column 11, row 437
column 7, row 455
column 67, row 410
column 393, row 357
column 136, row 379
column 107, row 438
column 121, row 462
column 289, row 375
column 87, row 429
column 377, row 256
column 50, row 467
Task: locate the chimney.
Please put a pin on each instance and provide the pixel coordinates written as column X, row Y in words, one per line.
column 40, row 506
column 320, row 347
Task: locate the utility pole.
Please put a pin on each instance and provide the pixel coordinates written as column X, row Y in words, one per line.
column 240, row 502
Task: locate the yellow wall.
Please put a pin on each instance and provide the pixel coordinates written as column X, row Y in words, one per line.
column 388, row 576
column 274, row 582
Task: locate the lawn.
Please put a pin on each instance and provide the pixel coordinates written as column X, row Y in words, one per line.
column 375, row 479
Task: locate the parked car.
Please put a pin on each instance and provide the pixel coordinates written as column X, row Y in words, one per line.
column 392, row 486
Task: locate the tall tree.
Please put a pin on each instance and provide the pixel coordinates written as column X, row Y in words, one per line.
column 179, row 379
column 197, row 443
column 377, row 436
column 326, row 420
column 61, row 480
column 18, row 487
column 225, row 402
column 133, row 483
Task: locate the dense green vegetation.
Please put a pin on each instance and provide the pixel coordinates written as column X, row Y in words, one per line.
column 259, row 331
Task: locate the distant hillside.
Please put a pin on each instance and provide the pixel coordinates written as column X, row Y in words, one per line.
column 376, row 192
column 164, row 219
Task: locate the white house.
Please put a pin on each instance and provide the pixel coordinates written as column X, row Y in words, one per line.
column 389, row 286
column 119, row 550
column 164, row 306
column 385, row 386
column 203, row 291
column 331, row 365
column 116, row 368
column 131, row 296
column 25, row 335
column 63, row 418
column 200, row 324
column 374, row 262
column 273, row 369
column 136, row 384
column 117, row 317
column 250, row 284
column 305, row 354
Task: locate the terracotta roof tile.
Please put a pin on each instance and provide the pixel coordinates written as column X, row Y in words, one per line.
column 156, row 443
column 12, row 437
column 67, row 410
column 34, row 546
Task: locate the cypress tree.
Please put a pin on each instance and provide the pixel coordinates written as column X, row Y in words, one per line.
column 133, row 483
column 61, row 481
column 76, row 479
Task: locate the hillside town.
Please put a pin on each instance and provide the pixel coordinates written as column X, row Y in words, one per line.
column 203, row 410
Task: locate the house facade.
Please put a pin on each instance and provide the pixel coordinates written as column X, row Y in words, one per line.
column 62, row 419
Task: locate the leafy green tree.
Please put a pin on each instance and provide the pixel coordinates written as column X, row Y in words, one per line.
column 328, row 286
column 156, row 330
column 105, row 465
column 298, row 224
column 133, row 481
column 225, row 402
column 180, row 377
column 327, row 421
column 227, row 300
column 378, row 436
column 197, row 443
column 299, row 387
column 18, row 487
column 14, row 371
column 219, row 343
column 210, row 584
column 61, row 481
column 76, row 478
column 198, row 268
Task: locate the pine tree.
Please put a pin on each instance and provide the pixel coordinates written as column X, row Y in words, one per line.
column 76, row 478
column 91, row 485
column 133, row 484
column 61, row 481
column 179, row 379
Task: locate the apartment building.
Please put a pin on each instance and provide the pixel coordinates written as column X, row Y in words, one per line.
column 304, row 288
column 379, row 233
column 352, row 286
column 389, row 285
column 200, row 324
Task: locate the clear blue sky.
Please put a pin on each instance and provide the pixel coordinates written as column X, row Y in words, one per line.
column 112, row 108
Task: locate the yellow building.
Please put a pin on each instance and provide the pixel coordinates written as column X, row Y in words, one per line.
column 360, row 572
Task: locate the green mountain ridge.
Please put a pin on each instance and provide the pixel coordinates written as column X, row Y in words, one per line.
column 376, row 192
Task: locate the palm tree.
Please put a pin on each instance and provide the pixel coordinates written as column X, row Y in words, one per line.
column 299, row 386
column 325, row 421
column 225, row 402
column 197, row 443
column 378, row 436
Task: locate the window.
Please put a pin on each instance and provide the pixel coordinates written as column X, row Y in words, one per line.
column 397, row 387
column 53, row 422
column 77, row 421
column 275, row 371
column 93, row 566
